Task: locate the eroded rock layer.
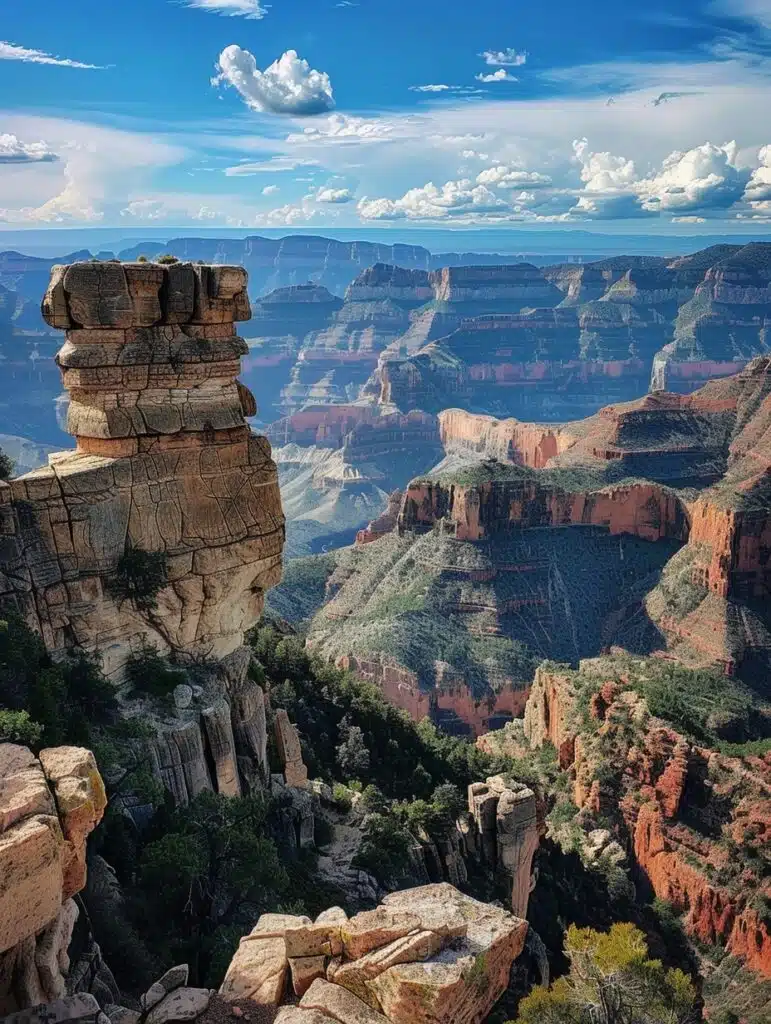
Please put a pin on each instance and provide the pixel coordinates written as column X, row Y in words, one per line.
column 164, row 465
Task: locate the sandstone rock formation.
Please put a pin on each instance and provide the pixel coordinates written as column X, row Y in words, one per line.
column 48, row 807
column 426, row 956
column 671, row 789
column 164, row 463
column 504, row 815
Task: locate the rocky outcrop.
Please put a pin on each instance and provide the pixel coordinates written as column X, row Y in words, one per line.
column 682, row 806
column 48, row 807
column 426, row 956
column 473, row 511
column 506, row 830
column 164, row 464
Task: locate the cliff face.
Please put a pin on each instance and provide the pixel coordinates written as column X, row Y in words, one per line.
column 48, row 807
column 164, row 463
column 473, row 511
column 682, row 806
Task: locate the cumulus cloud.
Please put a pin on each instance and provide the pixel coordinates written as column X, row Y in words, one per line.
column 508, row 57
column 270, row 190
column 511, row 177
column 288, row 86
column 759, row 186
column 9, row 51
column 454, row 200
column 232, row 8
column 703, row 178
column 334, row 195
column 14, row 151
column 501, row 75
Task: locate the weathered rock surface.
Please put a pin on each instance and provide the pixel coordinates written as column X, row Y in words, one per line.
column 48, row 807
column 164, row 463
column 429, row 955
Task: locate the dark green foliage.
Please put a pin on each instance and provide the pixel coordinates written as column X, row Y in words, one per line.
column 385, row 849
column 703, row 703
column 139, row 576
column 142, row 259
column 352, row 755
column 166, row 258
column 65, row 700
column 405, row 760
column 208, row 868
column 6, row 466
column 148, row 672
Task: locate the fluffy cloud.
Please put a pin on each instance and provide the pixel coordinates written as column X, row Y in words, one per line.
column 511, row 177
column 334, row 195
column 270, row 190
column 14, row 151
column 501, row 75
column 508, row 57
column 703, row 178
column 759, row 186
column 9, row 51
column 288, row 86
column 454, row 200
column 232, row 8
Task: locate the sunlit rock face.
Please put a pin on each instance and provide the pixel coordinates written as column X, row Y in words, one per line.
column 164, row 463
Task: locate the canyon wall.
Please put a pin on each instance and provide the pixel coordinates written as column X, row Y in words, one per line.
column 668, row 785
column 474, row 511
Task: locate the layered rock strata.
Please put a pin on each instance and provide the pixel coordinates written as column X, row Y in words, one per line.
column 164, row 464
column 671, row 789
column 425, row 956
column 48, row 807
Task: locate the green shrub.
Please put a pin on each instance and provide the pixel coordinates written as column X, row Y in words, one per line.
column 6, row 466
column 18, row 727
column 166, row 258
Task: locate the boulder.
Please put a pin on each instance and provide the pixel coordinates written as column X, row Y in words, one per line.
column 305, row 970
column 183, row 1004
column 339, row 1004
column 259, row 969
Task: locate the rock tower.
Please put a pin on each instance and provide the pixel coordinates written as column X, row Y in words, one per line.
column 164, row 464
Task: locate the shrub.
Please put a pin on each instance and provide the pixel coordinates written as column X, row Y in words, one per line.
column 139, row 577
column 18, row 727
column 6, row 466
column 167, row 258
column 149, row 672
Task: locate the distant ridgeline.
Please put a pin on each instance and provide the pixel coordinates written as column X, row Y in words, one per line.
column 396, row 325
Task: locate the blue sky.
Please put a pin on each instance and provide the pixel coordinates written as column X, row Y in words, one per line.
column 317, row 113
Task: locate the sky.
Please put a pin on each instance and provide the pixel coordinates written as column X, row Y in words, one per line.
column 335, row 113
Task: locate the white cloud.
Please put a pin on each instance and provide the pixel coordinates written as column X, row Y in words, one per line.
column 454, row 200
column 14, row 151
column 508, row 57
column 430, row 88
column 232, row 8
column 288, row 86
column 759, row 186
column 501, row 75
column 334, row 195
column 342, row 128
column 271, row 166
column 511, row 177
column 9, row 51
column 703, row 178
column 97, row 171
column 270, row 190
